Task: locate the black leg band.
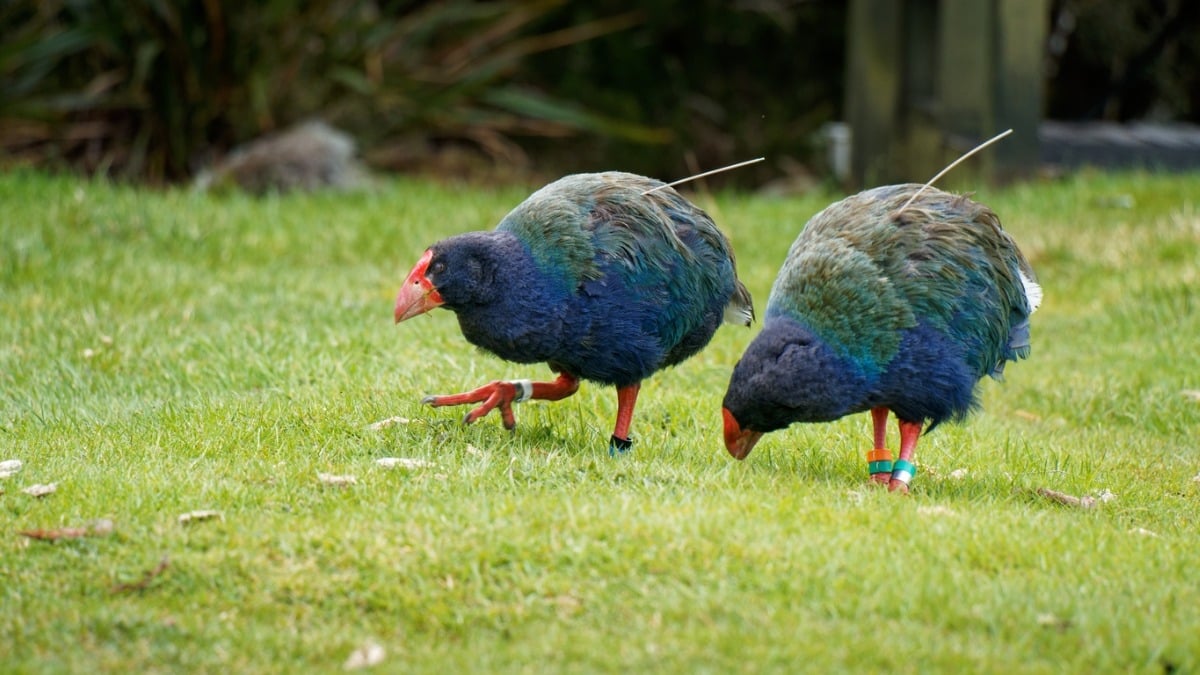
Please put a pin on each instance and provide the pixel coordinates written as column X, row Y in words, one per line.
column 619, row 445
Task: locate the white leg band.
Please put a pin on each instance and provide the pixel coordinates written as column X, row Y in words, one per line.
column 524, row 390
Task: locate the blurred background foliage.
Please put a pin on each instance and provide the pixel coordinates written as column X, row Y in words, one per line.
column 154, row 90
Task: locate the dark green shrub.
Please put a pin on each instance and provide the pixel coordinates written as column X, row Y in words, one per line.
column 151, row 88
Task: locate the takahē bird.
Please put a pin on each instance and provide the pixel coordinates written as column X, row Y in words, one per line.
column 880, row 308
column 592, row 274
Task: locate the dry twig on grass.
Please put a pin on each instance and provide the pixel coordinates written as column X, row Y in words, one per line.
column 55, row 535
column 147, row 577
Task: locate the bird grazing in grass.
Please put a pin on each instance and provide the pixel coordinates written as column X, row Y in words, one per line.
column 885, row 306
column 607, row 277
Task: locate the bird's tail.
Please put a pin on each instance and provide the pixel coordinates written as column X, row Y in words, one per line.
column 1033, row 292
column 1018, row 334
column 740, row 310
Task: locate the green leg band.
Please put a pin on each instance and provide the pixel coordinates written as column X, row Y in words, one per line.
column 880, row 466
column 903, row 471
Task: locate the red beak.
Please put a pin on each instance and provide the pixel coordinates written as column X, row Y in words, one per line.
column 417, row 295
column 738, row 442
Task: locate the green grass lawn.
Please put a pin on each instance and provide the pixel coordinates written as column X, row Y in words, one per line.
column 162, row 353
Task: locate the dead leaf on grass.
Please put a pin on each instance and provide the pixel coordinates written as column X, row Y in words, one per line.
column 1085, row 502
column 40, row 490
column 567, row 605
column 1028, row 416
column 958, row 474
column 333, row 479
column 147, row 577
column 403, row 463
column 389, row 422
column 1193, row 394
column 1196, row 478
column 1069, row 500
column 370, row 654
column 98, row 528
column 101, row 528
column 55, row 535
column 9, row 467
column 1052, row 621
column 197, row 516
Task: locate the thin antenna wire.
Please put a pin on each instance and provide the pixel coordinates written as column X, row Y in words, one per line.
column 953, row 164
column 706, row 173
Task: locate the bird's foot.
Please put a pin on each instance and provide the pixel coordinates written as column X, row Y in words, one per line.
column 499, row 394
column 619, row 446
column 881, row 478
column 879, row 464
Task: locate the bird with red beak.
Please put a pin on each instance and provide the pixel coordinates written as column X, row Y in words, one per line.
column 897, row 301
column 605, row 277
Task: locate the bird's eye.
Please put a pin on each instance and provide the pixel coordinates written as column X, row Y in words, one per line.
column 437, row 268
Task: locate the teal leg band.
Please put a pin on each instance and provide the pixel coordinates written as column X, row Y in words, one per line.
column 880, row 466
column 903, row 471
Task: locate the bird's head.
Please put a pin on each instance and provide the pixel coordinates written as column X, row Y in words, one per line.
column 786, row 375
column 453, row 273
column 751, row 407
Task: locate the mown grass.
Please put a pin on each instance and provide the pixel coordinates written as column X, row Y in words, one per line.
column 167, row 352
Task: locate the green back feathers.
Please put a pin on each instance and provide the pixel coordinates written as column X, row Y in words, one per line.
column 568, row 222
column 550, row 223
column 861, row 271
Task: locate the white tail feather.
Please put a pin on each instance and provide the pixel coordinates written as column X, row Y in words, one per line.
column 1033, row 292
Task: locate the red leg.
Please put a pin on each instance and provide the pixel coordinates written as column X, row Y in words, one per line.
column 879, row 460
column 626, row 399
column 502, row 394
column 903, row 474
column 879, row 416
